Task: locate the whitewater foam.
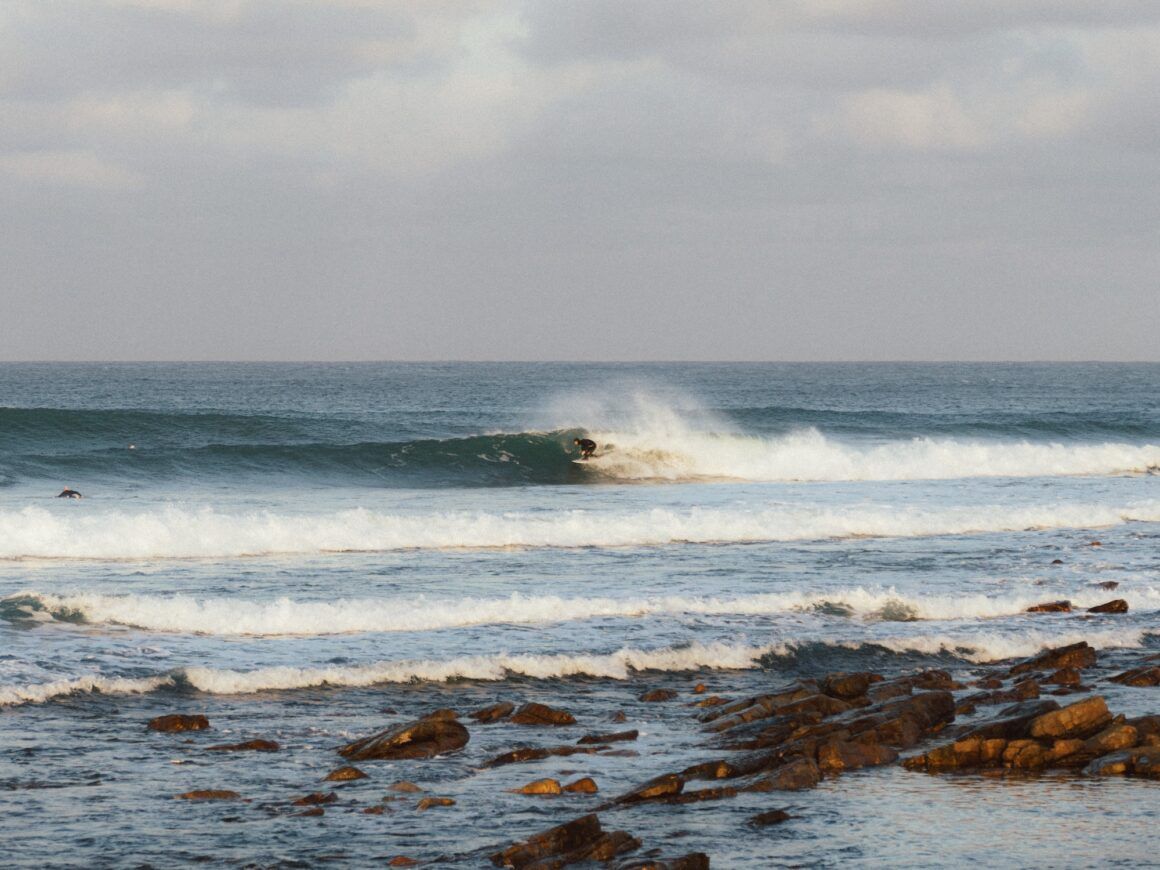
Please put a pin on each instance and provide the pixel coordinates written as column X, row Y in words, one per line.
column 174, row 532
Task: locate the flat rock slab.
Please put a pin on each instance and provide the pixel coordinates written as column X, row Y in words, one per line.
column 178, row 722
column 542, row 714
column 423, row 739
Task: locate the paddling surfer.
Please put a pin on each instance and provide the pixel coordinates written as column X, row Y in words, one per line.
column 69, row 493
column 587, row 447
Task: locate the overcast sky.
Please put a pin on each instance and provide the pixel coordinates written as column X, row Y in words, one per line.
column 616, row 179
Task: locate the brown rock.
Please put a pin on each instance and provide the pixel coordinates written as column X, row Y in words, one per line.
column 377, row 810
column 529, row 753
column 1025, row 755
column 178, row 722
column 773, row 817
column 209, row 795
column 794, row 775
column 1118, row 605
column 313, row 811
column 493, row 713
column 847, row 687
column 759, row 707
column 663, row 786
column 691, row 861
column 719, row 769
column 1109, row 585
column 429, row 802
column 989, row 683
column 405, row 787
column 699, row 689
column 617, row 737
column 1142, row 761
column 1076, row 655
column 443, row 714
column 1064, row 677
column 842, row 755
column 541, row 714
column 1081, row 719
column 703, row 794
column 618, row 717
column 1147, row 728
column 315, row 799
column 554, row 841
column 658, row 695
column 402, row 861
column 584, row 785
column 1051, row 607
column 345, row 774
column 1145, row 676
column 248, row 746
column 540, row 786
column 425, row 738
column 711, row 701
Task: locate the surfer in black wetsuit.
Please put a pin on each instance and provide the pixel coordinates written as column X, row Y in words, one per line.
column 587, row 447
column 69, row 493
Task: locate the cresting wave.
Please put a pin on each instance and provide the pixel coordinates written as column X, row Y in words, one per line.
column 174, row 532
column 618, row 665
column 285, row 617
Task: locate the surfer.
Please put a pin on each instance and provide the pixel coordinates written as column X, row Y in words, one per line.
column 69, row 493
column 587, row 447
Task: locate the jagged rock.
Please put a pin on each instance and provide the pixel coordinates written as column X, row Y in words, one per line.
column 429, row 802
column 541, row 714
column 345, row 774
column 493, row 713
column 1076, row 655
column 662, row 786
column 846, row 686
column 555, row 841
column 842, row 755
column 1142, row 761
column 1147, row 729
column 792, row 776
column 1070, row 677
column 425, row 738
column 1118, row 605
column 209, row 795
column 1013, row 721
column 718, row 769
column 772, row 817
column 584, row 785
column 616, row 737
column 759, row 707
column 769, row 732
column 1050, row 607
column 178, row 722
column 1081, row 719
column 606, row 847
column 315, row 799
column 540, row 786
column 1144, row 676
column 1021, row 691
column 529, row 753
column 656, row 695
column 248, row 746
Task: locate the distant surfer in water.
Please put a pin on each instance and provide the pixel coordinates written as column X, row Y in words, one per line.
column 69, row 493
column 587, row 447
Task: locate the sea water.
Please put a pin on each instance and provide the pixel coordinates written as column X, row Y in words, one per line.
column 312, row 552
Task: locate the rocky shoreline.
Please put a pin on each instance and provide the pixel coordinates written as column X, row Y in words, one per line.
column 1044, row 714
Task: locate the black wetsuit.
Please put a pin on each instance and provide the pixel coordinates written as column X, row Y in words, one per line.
column 587, row 447
column 69, row 493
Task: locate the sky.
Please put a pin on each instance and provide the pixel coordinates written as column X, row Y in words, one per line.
column 588, row 180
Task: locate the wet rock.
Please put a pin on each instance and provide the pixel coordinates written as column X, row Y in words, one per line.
column 1147, row 729
column 1076, row 655
column 800, row 773
column 540, row 786
column 772, row 817
column 313, row 811
column 1118, row 605
column 691, row 861
column 248, row 746
column 1050, row 607
column 618, row 717
column 966, row 754
column 711, row 701
column 584, row 785
column 616, row 737
column 1064, row 677
column 405, row 787
column 1081, row 719
column 315, row 799
column 699, row 689
column 493, row 713
column 1021, row 691
column 1109, row 585
column 542, row 714
column 759, row 707
column 1012, row 722
column 209, row 795
column 770, row 732
column 663, row 786
column 656, row 695
column 1057, row 561
column 704, row 794
column 1144, row 676
column 1142, row 761
column 846, row 755
column 556, row 841
column 718, row 769
column 989, row 683
column 423, row 739
column 846, row 686
column 431, row 802
column 402, row 861
column 530, row 753
column 443, row 714
column 345, row 774
column 178, row 722
column 377, row 810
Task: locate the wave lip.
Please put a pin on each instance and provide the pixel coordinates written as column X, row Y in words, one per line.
column 285, row 617
column 35, row 532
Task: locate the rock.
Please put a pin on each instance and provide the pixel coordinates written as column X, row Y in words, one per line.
column 665, row 785
column 759, row 707
column 1057, row 561
column 423, row 739
column 719, row 769
column 773, row 817
column 703, row 794
column 1109, row 585
column 842, row 755
column 691, row 861
column 554, row 841
column 658, row 695
column 429, row 802
column 178, row 722
column 847, row 687
column 1145, row 676
column 345, row 774
column 405, row 787
column 1050, row 607
column 248, row 746
column 1147, row 729
column 1081, row 719
column 1142, row 761
column 540, row 786
column 1076, row 655
column 313, row 811
column 584, row 785
column 711, row 701
column 1117, row 605
column 1021, row 691
column 617, row 737
column 1095, row 544
column 529, row 753
column 402, row 861
column 699, row 689
column 209, row 795
column 795, row 775
column 618, row 717
column 315, row 799
column 377, row 810
column 1064, row 677
column 493, row 713
column 541, row 714
column 443, row 714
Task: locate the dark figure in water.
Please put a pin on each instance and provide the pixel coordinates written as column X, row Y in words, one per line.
column 587, row 447
column 69, row 493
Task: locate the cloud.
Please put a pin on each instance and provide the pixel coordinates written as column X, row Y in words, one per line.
column 80, row 168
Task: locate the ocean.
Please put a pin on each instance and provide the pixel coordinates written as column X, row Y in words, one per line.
column 312, row 552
